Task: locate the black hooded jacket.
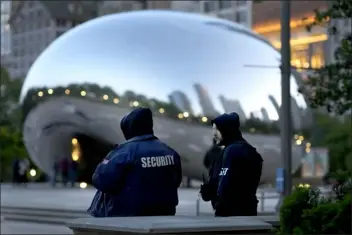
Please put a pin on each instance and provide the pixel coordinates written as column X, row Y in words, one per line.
column 240, row 171
column 140, row 176
column 137, row 123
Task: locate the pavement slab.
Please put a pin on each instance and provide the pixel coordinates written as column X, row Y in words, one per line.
column 77, row 199
column 9, row 227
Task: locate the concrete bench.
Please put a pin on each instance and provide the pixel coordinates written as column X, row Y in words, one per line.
column 169, row 225
column 274, row 220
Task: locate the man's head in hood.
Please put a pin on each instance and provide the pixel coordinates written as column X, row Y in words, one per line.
column 136, row 123
column 226, row 128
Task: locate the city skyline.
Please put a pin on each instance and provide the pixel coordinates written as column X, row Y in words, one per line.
column 181, row 100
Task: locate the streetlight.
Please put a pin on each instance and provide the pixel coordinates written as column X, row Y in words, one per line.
column 286, row 135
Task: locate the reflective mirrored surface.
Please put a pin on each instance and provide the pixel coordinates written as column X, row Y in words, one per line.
column 184, row 66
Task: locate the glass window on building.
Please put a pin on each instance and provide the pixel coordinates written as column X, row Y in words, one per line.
column 300, row 57
column 241, row 3
column 30, row 4
column 241, row 17
column 209, row 6
column 317, row 58
column 228, row 16
column 224, row 4
column 15, row 51
column 61, row 23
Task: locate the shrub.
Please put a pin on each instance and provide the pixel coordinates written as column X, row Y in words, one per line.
column 307, row 211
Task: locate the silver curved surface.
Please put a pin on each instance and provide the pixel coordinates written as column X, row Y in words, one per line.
column 170, row 56
column 46, row 144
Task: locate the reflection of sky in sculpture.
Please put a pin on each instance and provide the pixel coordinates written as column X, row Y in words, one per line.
column 157, row 52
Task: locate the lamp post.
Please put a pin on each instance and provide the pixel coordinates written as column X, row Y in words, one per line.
column 286, row 125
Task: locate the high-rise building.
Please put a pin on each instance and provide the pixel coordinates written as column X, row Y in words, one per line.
column 232, row 106
column 204, row 101
column 6, row 36
column 181, row 101
column 5, row 28
column 35, row 24
column 265, row 115
column 236, row 11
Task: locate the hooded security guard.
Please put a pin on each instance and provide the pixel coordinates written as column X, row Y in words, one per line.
column 233, row 184
column 140, row 177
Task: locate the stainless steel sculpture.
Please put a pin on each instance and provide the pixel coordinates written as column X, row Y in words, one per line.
column 202, row 65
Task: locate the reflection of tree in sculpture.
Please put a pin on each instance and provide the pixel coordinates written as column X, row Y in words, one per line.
column 106, row 95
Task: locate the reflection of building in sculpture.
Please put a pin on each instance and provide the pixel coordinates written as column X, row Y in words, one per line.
column 255, row 115
column 232, row 106
column 275, row 104
column 308, row 48
column 205, row 101
column 265, row 115
column 296, row 114
column 181, row 101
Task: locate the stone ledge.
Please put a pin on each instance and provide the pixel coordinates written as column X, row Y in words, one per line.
column 274, row 220
column 169, row 225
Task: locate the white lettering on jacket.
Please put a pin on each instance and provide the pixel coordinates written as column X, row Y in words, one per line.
column 158, row 161
column 223, row 171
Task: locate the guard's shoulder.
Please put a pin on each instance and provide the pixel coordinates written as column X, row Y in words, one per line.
column 171, row 150
column 236, row 150
column 119, row 153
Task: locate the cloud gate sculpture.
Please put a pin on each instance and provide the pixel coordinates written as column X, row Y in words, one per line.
column 187, row 68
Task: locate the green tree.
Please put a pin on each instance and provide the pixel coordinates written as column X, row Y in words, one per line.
column 10, row 113
column 336, row 136
column 11, row 147
column 331, row 85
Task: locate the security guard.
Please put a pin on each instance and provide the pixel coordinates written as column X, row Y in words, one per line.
column 234, row 181
column 140, row 177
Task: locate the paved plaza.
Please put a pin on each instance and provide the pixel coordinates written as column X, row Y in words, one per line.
column 79, row 199
column 9, row 227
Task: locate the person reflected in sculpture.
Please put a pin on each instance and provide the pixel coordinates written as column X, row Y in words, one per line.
column 64, row 169
column 140, row 176
column 73, row 172
column 55, row 171
column 233, row 184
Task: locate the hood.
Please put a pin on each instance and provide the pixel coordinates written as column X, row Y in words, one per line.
column 136, row 123
column 229, row 126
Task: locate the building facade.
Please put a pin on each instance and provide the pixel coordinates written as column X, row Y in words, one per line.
column 110, row 7
column 5, row 28
column 35, row 24
column 6, row 36
column 309, row 49
column 235, row 11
